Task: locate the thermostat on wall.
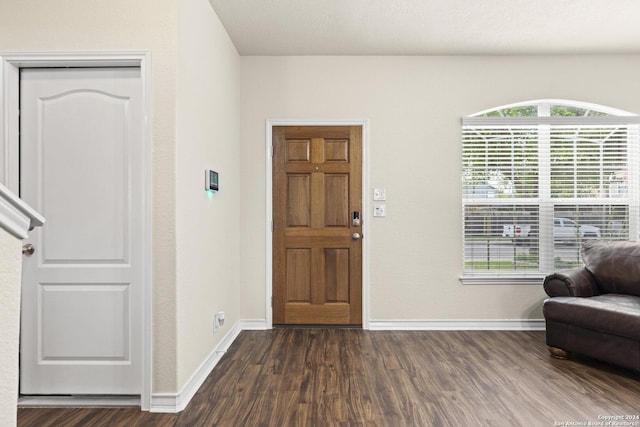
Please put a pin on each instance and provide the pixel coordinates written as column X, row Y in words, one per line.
column 211, row 180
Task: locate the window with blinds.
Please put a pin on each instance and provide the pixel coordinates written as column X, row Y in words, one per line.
column 541, row 178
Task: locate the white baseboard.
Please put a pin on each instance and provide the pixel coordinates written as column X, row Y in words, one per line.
column 253, row 325
column 78, row 401
column 458, row 325
column 176, row 402
column 428, row 325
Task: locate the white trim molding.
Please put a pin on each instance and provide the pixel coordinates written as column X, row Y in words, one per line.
column 16, row 217
column 78, row 401
column 254, row 325
column 458, row 325
column 10, row 64
column 177, row 402
column 487, row 279
column 269, row 124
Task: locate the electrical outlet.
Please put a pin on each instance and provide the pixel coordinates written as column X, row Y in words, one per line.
column 218, row 321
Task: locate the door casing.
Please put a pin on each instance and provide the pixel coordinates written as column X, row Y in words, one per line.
column 10, row 64
column 364, row 124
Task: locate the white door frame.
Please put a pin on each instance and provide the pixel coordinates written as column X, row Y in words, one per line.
column 364, row 124
column 10, row 64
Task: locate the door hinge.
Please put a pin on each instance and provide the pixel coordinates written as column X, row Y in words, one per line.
column 272, row 151
column 271, row 301
column 272, row 226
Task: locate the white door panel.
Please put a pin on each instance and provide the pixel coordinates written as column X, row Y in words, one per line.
column 93, row 149
column 102, row 309
column 81, row 157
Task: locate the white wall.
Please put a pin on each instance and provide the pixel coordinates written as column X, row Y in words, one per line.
column 68, row 25
column 207, row 225
column 10, row 270
column 414, row 105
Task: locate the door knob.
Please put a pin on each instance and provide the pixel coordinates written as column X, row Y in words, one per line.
column 356, row 236
column 28, row 249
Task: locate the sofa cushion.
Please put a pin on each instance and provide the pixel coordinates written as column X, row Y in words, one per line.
column 614, row 265
column 609, row 313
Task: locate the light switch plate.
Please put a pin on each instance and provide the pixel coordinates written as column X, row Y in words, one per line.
column 379, row 194
column 380, row 210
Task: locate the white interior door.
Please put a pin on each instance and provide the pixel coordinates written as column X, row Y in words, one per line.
column 81, row 167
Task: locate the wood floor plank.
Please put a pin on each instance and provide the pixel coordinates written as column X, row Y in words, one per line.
column 352, row 377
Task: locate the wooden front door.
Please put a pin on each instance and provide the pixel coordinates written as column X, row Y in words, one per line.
column 317, row 245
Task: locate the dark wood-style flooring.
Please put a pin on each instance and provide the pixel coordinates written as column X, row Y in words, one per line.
column 351, row 377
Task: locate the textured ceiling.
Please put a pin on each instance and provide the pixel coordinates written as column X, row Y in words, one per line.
column 431, row 27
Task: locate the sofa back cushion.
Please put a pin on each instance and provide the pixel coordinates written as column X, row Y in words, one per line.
column 614, row 265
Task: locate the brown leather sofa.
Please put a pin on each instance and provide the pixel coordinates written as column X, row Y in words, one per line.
column 595, row 310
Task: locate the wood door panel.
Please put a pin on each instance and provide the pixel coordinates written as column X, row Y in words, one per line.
column 317, row 265
column 298, row 150
column 336, row 150
column 298, row 200
column 336, row 200
column 336, row 273
column 298, row 269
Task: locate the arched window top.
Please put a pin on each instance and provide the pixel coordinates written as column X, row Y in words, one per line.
column 552, row 108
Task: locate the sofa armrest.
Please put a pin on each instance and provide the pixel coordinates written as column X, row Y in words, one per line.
column 577, row 282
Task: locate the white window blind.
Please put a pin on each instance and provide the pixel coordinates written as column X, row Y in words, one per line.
column 536, row 187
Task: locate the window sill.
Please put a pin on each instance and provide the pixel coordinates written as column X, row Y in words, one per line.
column 532, row 279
